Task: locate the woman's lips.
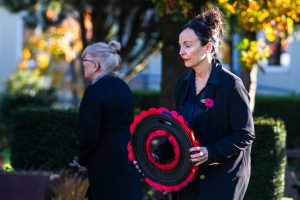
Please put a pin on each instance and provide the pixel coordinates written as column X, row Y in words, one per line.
column 185, row 59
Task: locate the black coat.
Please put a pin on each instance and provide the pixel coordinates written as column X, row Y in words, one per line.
column 226, row 129
column 106, row 112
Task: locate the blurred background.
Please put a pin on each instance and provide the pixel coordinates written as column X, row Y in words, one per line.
column 41, row 79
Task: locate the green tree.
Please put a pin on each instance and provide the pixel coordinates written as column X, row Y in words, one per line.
column 132, row 22
column 274, row 18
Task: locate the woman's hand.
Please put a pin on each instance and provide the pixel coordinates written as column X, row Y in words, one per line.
column 75, row 164
column 199, row 155
column 138, row 167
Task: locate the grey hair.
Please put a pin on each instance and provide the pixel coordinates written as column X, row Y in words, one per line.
column 105, row 54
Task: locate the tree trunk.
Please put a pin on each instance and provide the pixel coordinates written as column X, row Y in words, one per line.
column 172, row 65
column 249, row 78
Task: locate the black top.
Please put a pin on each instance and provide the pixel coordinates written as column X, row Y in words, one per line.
column 230, row 115
column 196, row 105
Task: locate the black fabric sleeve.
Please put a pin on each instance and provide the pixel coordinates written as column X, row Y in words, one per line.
column 241, row 123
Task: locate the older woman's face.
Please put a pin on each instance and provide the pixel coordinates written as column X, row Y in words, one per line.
column 88, row 67
column 191, row 50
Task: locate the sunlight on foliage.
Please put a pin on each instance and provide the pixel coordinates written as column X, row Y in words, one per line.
column 53, row 10
column 168, row 7
column 253, row 52
column 52, row 53
column 274, row 17
column 72, row 188
column 88, row 24
column 56, row 45
column 7, row 167
column 27, row 84
column 5, row 161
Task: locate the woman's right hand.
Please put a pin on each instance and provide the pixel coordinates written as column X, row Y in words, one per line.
column 199, row 155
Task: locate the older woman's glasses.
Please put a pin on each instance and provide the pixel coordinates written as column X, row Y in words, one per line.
column 86, row 60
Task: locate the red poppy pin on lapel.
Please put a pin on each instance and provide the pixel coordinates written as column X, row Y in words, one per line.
column 209, row 103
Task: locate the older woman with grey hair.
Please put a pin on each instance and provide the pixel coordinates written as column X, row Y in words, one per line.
column 100, row 58
column 105, row 114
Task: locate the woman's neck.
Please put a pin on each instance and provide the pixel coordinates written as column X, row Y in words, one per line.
column 203, row 70
column 96, row 75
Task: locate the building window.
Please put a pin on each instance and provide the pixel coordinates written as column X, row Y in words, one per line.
column 279, row 56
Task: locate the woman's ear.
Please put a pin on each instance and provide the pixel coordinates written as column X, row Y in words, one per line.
column 96, row 66
column 209, row 47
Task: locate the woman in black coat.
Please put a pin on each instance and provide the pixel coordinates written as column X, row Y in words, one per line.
column 106, row 111
column 215, row 104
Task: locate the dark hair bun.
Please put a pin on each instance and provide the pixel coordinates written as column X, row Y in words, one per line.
column 213, row 19
column 208, row 27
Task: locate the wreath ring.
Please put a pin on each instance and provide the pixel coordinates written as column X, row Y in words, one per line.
column 162, row 122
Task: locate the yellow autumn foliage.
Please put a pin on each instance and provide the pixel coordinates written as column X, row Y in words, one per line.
column 274, row 17
column 26, row 53
column 253, row 52
column 56, row 45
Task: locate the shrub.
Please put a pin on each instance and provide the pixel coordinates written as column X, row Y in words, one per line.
column 43, row 139
column 284, row 108
column 268, row 160
column 4, row 135
column 145, row 99
column 25, row 89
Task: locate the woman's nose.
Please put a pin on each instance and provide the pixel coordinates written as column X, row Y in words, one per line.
column 181, row 52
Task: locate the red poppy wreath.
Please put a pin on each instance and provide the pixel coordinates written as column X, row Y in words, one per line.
column 146, row 128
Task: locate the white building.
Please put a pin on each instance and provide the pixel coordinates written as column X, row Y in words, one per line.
column 283, row 78
column 11, row 41
column 150, row 78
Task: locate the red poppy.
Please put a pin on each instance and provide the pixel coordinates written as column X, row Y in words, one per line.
column 209, row 102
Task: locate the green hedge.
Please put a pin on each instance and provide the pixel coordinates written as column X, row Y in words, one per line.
column 43, row 139
column 12, row 103
column 4, row 135
column 46, row 140
column 268, row 160
column 24, row 89
column 285, row 108
column 145, row 99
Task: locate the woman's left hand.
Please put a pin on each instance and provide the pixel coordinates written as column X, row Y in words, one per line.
column 75, row 164
column 199, row 155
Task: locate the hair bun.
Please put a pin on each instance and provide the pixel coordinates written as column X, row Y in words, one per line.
column 114, row 46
